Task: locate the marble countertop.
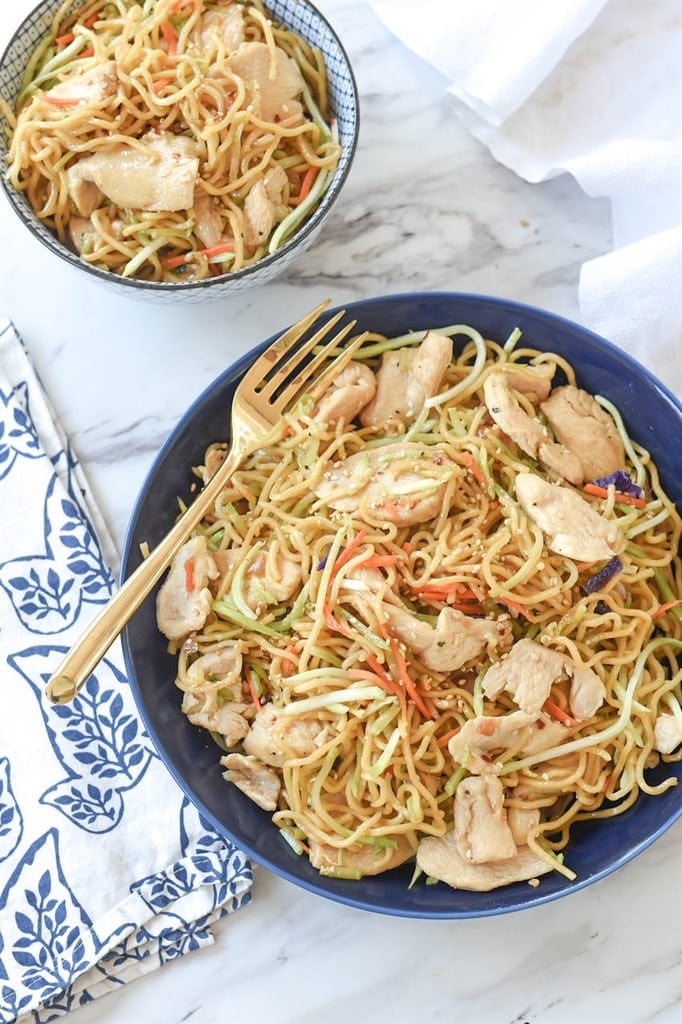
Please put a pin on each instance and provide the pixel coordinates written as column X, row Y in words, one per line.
column 425, row 208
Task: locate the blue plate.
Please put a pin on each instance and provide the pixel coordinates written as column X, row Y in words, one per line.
column 654, row 418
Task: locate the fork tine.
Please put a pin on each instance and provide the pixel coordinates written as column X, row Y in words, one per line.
column 281, row 373
column 320, row 385
column 284, row 343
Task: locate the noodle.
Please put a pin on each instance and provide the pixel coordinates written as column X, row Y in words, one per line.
column 317, row 607
column 172, row 141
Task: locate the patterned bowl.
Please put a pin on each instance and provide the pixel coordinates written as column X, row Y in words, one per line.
column 654, row 418
column 299, row 15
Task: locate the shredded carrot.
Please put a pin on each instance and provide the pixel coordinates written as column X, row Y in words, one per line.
column 443, row 740
column 406, row 681
column 473, row 467
column 64, row 40
column 288, row 665
column 377, row 561
column 189, row 575
column 333, row 623
column 385, row 681
column 558, row 713
column 171, row 38
column 252, row 689
column 86, row 53
column 91, row 19
column 171, row 262
column 348, row 551
column 619, row 497
column 515, row 606
column 61, row 101
column 306, row 184
column 161, row 83
column 663, row 608
column 408, row 548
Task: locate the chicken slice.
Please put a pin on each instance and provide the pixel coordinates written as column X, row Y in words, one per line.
column 259, row 216
column 220, row 28
column 159, row 176
column 406, row 378
column 364, row 857
column 259, row 783
column 184, row 600
column 570, row 524
column 83, row 234
column 270, row 578
column 481, row 830
column 582, row 426
column 439, row 858
column 228, row 719
column 400, row 483
column 530, row 670
column 667, row 733
column 473, row 746
column 534, row 382
column 455, row 640
column 208, row 224
column 273, row 95
column 92, row 86
column 354, row 387
column 528, row 433
column 274, row 739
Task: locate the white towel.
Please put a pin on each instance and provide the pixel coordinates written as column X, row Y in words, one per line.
column 106, row 870
column 593, row 88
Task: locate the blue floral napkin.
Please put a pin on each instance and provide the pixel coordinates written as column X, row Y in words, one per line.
column 106, row 871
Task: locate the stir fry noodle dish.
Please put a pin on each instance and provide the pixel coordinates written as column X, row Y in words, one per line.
column 172, row 140
column 435, row 618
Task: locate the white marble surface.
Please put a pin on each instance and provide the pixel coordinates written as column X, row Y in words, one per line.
column 426, row 207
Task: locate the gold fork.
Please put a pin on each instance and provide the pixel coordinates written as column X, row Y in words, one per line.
column 270, row 386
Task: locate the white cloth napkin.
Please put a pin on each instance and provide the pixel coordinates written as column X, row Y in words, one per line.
column 593, row 88
column 106, row 871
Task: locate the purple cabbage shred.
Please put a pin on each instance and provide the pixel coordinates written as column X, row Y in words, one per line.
column 601, row 578
column 622, row 482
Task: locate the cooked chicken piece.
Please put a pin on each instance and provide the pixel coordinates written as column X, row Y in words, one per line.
column 570, row 524
column 87, row 197
column 529, row 671
column 364, row 857
column 274, row 739
column 226, row 719
column 528, row 433
column 184, row 600
column 208, row 224
column 534, row 382
column 455, row 640
column 586, row 429
column 259, row 216
column 481, row 830
column 222, row 667
column 270, row 578
column 273, row 96
column 406, row 378
column 474, row 744
column 439, row 858
column 351, row 391
column 91, row 86
column 83, row 234
column 276, row 181
column 522, row 820
column 160, row 176
column 220, row 28
column 667, row 733
column 400, row 483
column 259, row 783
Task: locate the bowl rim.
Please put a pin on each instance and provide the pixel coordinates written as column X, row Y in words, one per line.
column 267, row 262
column 335, row 892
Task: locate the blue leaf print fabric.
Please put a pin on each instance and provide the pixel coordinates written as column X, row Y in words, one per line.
column 80, row 783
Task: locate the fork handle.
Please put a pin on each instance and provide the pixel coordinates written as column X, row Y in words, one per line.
column 91, row 647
